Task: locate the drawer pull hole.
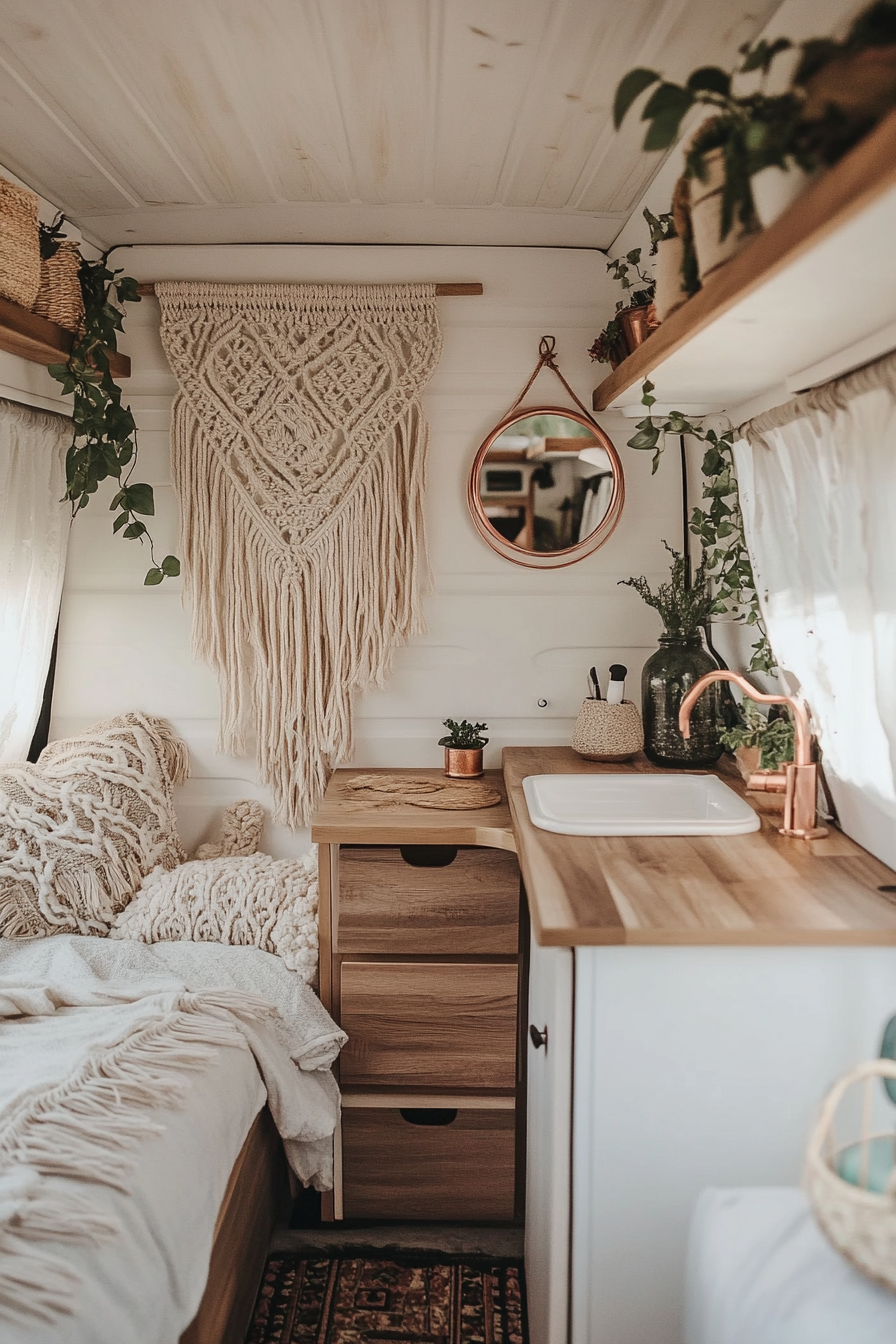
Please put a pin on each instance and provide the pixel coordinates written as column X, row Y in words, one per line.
column 430, row 1116
column 428, row 856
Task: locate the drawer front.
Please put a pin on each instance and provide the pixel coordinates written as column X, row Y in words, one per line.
column 438, row 1025
column 392, row 900
column 395, row 1169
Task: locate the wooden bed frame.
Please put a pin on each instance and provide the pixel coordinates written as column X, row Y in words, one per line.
column 254, row 1194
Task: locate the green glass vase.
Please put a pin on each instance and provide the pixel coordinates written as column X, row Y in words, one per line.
column 668, row 675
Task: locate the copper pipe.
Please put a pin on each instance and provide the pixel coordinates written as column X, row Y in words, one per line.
column 798, row 780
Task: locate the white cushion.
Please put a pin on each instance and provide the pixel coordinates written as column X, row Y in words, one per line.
column 761, row 1272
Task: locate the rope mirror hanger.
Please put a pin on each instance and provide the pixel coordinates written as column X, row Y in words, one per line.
column 546, row 487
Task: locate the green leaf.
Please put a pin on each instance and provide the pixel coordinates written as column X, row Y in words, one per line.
column 668, row 98
column 120, row 522
column 153, row 577
column 140, row 499
column 634, row 256
column 171, row 566
column 663, row 131
column 761, row 56
column 711, row 79
column 634, row 84
column 135, row 530
column 645, row 439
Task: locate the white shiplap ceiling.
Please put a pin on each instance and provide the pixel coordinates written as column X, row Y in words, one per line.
column 402, row 121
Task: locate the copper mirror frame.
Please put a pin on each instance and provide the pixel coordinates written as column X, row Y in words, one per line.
column 528, row 554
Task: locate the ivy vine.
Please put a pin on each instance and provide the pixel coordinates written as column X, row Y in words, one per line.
column 719, row 524
column 105, row 436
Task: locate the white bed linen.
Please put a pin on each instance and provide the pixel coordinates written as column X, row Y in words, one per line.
column 761, row 1272
column 145, row 1285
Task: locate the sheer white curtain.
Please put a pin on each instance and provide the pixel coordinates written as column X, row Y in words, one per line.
column 818, row 488
column 34, row 527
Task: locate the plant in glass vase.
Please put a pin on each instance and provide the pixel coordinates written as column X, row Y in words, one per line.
column 679, row 662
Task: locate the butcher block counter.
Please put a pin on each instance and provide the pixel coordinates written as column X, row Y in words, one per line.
column 757, row 889
column 760, row 889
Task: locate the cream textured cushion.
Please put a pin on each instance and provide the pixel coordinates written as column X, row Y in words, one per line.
column 81, row 829
column 252, row 901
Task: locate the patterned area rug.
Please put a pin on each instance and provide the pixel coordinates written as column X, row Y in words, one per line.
column 406, row 1299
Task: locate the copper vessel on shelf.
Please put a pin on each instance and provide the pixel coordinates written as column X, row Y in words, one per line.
column 637, row 324
column 463, row 762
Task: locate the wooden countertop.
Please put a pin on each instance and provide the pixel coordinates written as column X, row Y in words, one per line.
column 344, row 818
column 761, row 889
column 758, row 889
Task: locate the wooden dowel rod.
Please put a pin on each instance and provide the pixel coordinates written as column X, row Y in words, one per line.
column 443, row 291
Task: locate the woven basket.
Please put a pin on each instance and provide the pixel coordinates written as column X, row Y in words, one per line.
column 60, row 298
column 605, row 732
column 858, row 1222
column 19, row 244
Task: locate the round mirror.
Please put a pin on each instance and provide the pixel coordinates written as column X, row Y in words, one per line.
column 546, row 487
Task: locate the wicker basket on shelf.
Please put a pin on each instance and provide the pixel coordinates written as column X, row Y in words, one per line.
column 60, row 298
column 19, row 245
column 852, row 1186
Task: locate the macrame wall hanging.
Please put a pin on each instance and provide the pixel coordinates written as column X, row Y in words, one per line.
column 299, row 450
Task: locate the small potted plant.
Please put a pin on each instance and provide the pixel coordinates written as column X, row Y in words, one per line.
column 635, row 317
column 463, row 748
column 759, row 742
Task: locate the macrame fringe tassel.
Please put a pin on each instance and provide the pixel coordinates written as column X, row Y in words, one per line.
column 290, row 644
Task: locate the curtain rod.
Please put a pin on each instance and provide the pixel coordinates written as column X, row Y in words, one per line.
column 443, row 291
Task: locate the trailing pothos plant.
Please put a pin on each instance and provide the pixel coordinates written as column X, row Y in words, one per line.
column 719, row 524
column 610, row 344
column 750, row 130
column 105, row 435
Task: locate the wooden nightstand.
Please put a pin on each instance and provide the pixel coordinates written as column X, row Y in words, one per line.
column 422, row 931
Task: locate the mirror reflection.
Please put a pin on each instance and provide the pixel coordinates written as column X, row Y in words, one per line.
column 546, row 482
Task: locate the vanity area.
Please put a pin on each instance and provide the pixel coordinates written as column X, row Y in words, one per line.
column 671, row 1023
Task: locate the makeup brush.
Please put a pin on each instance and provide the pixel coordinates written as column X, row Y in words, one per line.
column 616, row 688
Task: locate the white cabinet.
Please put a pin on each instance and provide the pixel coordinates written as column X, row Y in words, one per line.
column 549, row 1135
column 687, row 1067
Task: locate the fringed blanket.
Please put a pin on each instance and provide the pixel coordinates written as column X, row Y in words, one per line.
column 298, row 452
column 94, row 1038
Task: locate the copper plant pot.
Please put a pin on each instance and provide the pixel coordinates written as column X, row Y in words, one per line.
column 637, row 324
column 463, row 762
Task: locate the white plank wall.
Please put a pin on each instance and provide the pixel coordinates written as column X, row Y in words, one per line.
column 499, row 637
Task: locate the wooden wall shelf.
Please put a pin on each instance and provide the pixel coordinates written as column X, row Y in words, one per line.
column 42, row 342
column 794, row 296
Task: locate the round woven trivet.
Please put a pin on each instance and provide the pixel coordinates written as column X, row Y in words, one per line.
column 448, row 797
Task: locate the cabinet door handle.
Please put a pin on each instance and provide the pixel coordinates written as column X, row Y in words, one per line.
column 539, row 1038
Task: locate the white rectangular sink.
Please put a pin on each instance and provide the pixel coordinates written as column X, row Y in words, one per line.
column 631, row 804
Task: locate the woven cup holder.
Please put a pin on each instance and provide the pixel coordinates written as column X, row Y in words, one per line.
column 605, row 732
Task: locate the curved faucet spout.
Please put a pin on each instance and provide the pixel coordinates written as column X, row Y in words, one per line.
column 798, row 779
column 803, row 733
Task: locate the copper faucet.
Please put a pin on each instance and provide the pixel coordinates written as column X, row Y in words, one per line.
column 798, row 780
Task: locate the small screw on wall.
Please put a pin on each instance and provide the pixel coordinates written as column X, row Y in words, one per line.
column 542, row 703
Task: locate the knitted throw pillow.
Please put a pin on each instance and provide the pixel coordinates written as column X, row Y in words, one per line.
column 253, row 901
column 81, row 829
